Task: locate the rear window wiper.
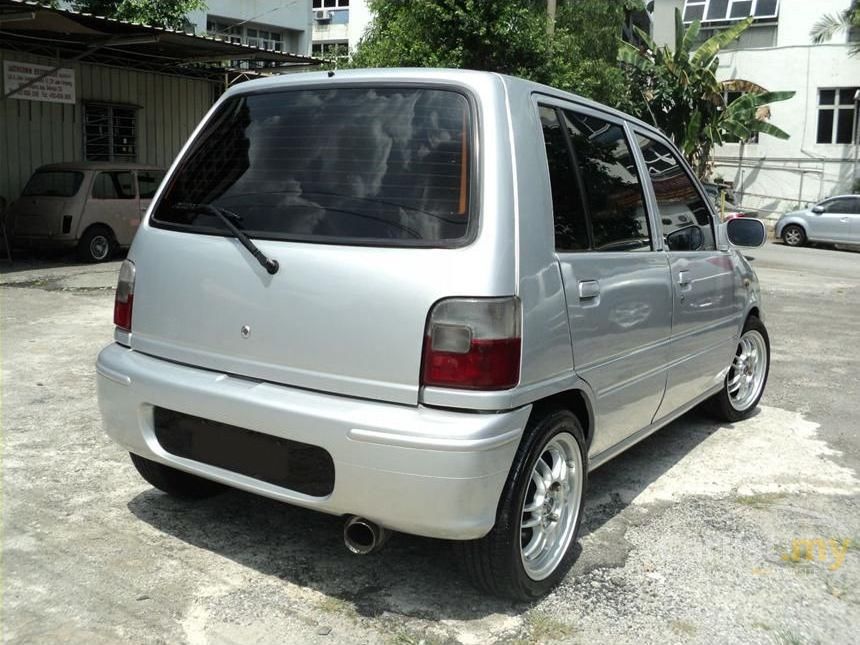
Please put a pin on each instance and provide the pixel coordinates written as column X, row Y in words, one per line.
column 228, row 217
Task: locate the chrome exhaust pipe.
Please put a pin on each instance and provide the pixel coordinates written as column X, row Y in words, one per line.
column 361, row 536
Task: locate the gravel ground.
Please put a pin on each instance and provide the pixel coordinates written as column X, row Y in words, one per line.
column 695, row 535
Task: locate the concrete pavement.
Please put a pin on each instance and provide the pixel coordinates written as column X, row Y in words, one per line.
column 702, row 533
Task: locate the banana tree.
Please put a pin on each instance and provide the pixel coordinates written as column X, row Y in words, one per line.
column 682, row 96
column 746, row 116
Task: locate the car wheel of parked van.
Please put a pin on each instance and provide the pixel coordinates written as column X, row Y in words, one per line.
column 174, row 482
column 96, row 245
column 530, row 548
column 794, row 235
column 747, row 375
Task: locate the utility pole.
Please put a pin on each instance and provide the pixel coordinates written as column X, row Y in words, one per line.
column 550, row 17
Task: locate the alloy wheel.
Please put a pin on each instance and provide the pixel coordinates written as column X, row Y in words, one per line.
column 747, row 373
column 551, row 507
column 793, row 236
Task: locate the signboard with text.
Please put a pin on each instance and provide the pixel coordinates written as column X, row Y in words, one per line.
column 37, row 84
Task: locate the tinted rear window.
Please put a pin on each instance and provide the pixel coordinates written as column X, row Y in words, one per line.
column 53, row 184
column 353, row 165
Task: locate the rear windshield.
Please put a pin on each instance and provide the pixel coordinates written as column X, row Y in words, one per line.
column 53, row 183
column 355, row 165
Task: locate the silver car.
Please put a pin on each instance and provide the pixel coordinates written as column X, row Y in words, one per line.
column 428, row 301
column 835, row 220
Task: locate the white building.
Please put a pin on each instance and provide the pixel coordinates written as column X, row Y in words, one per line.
column 777, row 53
column 338, row 26
column 269, row 24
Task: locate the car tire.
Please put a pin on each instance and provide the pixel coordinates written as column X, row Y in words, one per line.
column 97, row 245
column 730, row 404
column 175, row 483
column 794, row 235
column 497, row 563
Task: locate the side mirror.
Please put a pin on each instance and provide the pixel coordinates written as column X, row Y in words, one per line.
column 746, row 231
column 689, row 238
column 818, row 209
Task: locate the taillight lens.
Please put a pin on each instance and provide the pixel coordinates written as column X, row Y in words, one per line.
column 473, row 343
column 124, row 301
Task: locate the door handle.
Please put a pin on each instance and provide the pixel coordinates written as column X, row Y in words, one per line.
column 683, row 278
column 589, row 289
column 844, row 220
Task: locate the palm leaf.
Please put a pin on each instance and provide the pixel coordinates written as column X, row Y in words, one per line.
column 645, row 38
column 629, row 55
column 768, row 128
column 737, row 130
column 690, row 37
column 691, row 133
column 766, row 98
column 703, row 56
column 679, row 33
column 830, row 25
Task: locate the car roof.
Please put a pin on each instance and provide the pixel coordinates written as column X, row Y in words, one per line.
column 464, row 77
column 97, row 165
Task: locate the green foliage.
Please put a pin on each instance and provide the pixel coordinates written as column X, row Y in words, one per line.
column 831, row 24
column 679, row 92
column 507, row 36
column 163, row 13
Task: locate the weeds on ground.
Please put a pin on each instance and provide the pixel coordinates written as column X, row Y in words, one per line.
column 332, row 605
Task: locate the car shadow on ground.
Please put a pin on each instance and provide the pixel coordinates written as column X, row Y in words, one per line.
column 410, row 576
column 30, row 260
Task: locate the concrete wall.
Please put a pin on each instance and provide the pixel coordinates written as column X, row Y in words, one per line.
column 663, row 21
column 33, row 133
column 360, row 18
column 776, row 175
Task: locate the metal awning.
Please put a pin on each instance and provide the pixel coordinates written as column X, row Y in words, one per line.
column 67, row 35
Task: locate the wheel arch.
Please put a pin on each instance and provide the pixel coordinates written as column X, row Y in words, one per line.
column 577, row 401
column 793, row 221
column 93, row 225
column 82, row 242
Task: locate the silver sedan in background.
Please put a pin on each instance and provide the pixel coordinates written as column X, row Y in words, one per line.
column 835, row 220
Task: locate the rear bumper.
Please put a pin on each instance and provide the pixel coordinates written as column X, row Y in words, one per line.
column 418, row 470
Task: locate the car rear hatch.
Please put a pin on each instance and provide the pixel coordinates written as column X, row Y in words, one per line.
column 47, row 197
column 365, row 196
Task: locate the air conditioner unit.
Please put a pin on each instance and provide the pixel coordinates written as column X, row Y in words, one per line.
column 322, row 15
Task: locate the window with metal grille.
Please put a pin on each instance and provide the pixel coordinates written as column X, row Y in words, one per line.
column 110, row 133
column 836, row 115
column 729, row 10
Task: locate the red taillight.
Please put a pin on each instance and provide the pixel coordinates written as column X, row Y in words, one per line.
column 473, row 343
column 124, row 300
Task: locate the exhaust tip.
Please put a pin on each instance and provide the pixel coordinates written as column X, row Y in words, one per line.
column 362, row 536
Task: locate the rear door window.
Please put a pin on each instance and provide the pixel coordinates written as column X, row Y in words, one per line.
column 114, row 185
column 571, row 228
column 619, row 221
column 388, row 166
column 53, row 183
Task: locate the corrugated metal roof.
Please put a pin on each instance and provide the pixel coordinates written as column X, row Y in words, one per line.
column 30, row 26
